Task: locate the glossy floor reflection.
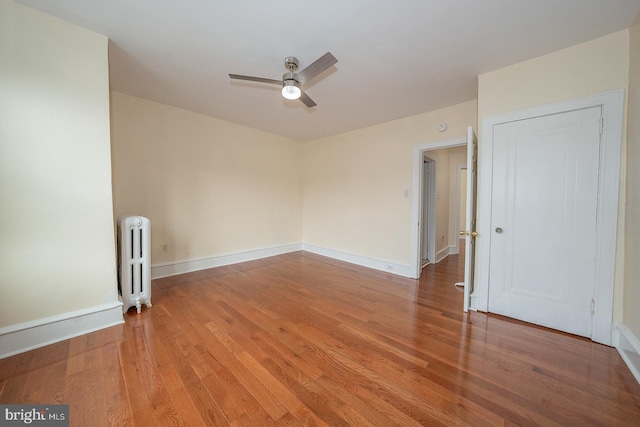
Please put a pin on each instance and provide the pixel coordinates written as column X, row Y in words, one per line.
column 300, row 339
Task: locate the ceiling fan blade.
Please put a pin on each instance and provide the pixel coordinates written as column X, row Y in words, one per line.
column 306, row 100
column 315, row 68
column 256, row 79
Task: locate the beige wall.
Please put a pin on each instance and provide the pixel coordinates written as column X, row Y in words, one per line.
column 632, row 230
column 209, row 187
column 355, row 184
column 57, row 248
column 586, row 69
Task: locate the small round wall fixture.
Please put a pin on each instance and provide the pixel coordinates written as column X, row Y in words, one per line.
column 442, row 127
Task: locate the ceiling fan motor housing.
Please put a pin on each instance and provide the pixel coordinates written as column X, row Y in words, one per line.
column 289, row 79
column 291, row 62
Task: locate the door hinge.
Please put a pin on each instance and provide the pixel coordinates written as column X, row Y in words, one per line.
column 593, row 306
column 601, row 125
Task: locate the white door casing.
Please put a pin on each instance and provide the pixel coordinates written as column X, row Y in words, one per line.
column 611, row 104
column 543, row 219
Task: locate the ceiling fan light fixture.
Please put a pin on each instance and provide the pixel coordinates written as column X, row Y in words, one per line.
column 290, row 90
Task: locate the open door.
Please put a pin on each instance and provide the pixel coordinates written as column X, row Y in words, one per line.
column 470, row 226
column 428, row 237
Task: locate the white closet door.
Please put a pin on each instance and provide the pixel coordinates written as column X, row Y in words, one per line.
column 543, row 219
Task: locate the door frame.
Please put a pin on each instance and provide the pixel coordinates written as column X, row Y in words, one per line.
column 432, row 211
column 419, row 151
column 612, row 104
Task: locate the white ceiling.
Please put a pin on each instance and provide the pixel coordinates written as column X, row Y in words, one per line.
column 395, row 58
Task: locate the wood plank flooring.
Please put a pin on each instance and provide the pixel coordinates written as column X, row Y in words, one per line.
column 300, row 339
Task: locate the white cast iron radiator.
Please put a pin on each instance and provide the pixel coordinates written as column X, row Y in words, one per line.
column 134, row 253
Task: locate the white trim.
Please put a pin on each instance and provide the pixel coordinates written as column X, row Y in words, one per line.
column 170, row 269
column 179, row 267
column 442, row 254
column 454, row 250
column 628, row 346
column 418, row 152
column 445, row 252
column 451, row 250
column 27, row 336
column 386, row 266
column 612, row 105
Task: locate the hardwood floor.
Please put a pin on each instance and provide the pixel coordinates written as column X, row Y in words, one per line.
column 300, row 339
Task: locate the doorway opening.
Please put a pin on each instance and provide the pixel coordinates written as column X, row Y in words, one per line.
column 438, row 237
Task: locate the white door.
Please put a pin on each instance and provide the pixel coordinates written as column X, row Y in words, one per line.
column 543, row 219
column 428, row 229
column 470, row 226
column 426, row 186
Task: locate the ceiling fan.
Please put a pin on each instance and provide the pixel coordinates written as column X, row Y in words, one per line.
column 291, row 82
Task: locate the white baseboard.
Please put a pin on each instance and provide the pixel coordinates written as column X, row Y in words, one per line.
column 628, row 346
column 388, row 267
column 171, row 269
column 445, row 252
column 473, row 301
column 179, row 267
column 27, row 336
column 442, row 254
